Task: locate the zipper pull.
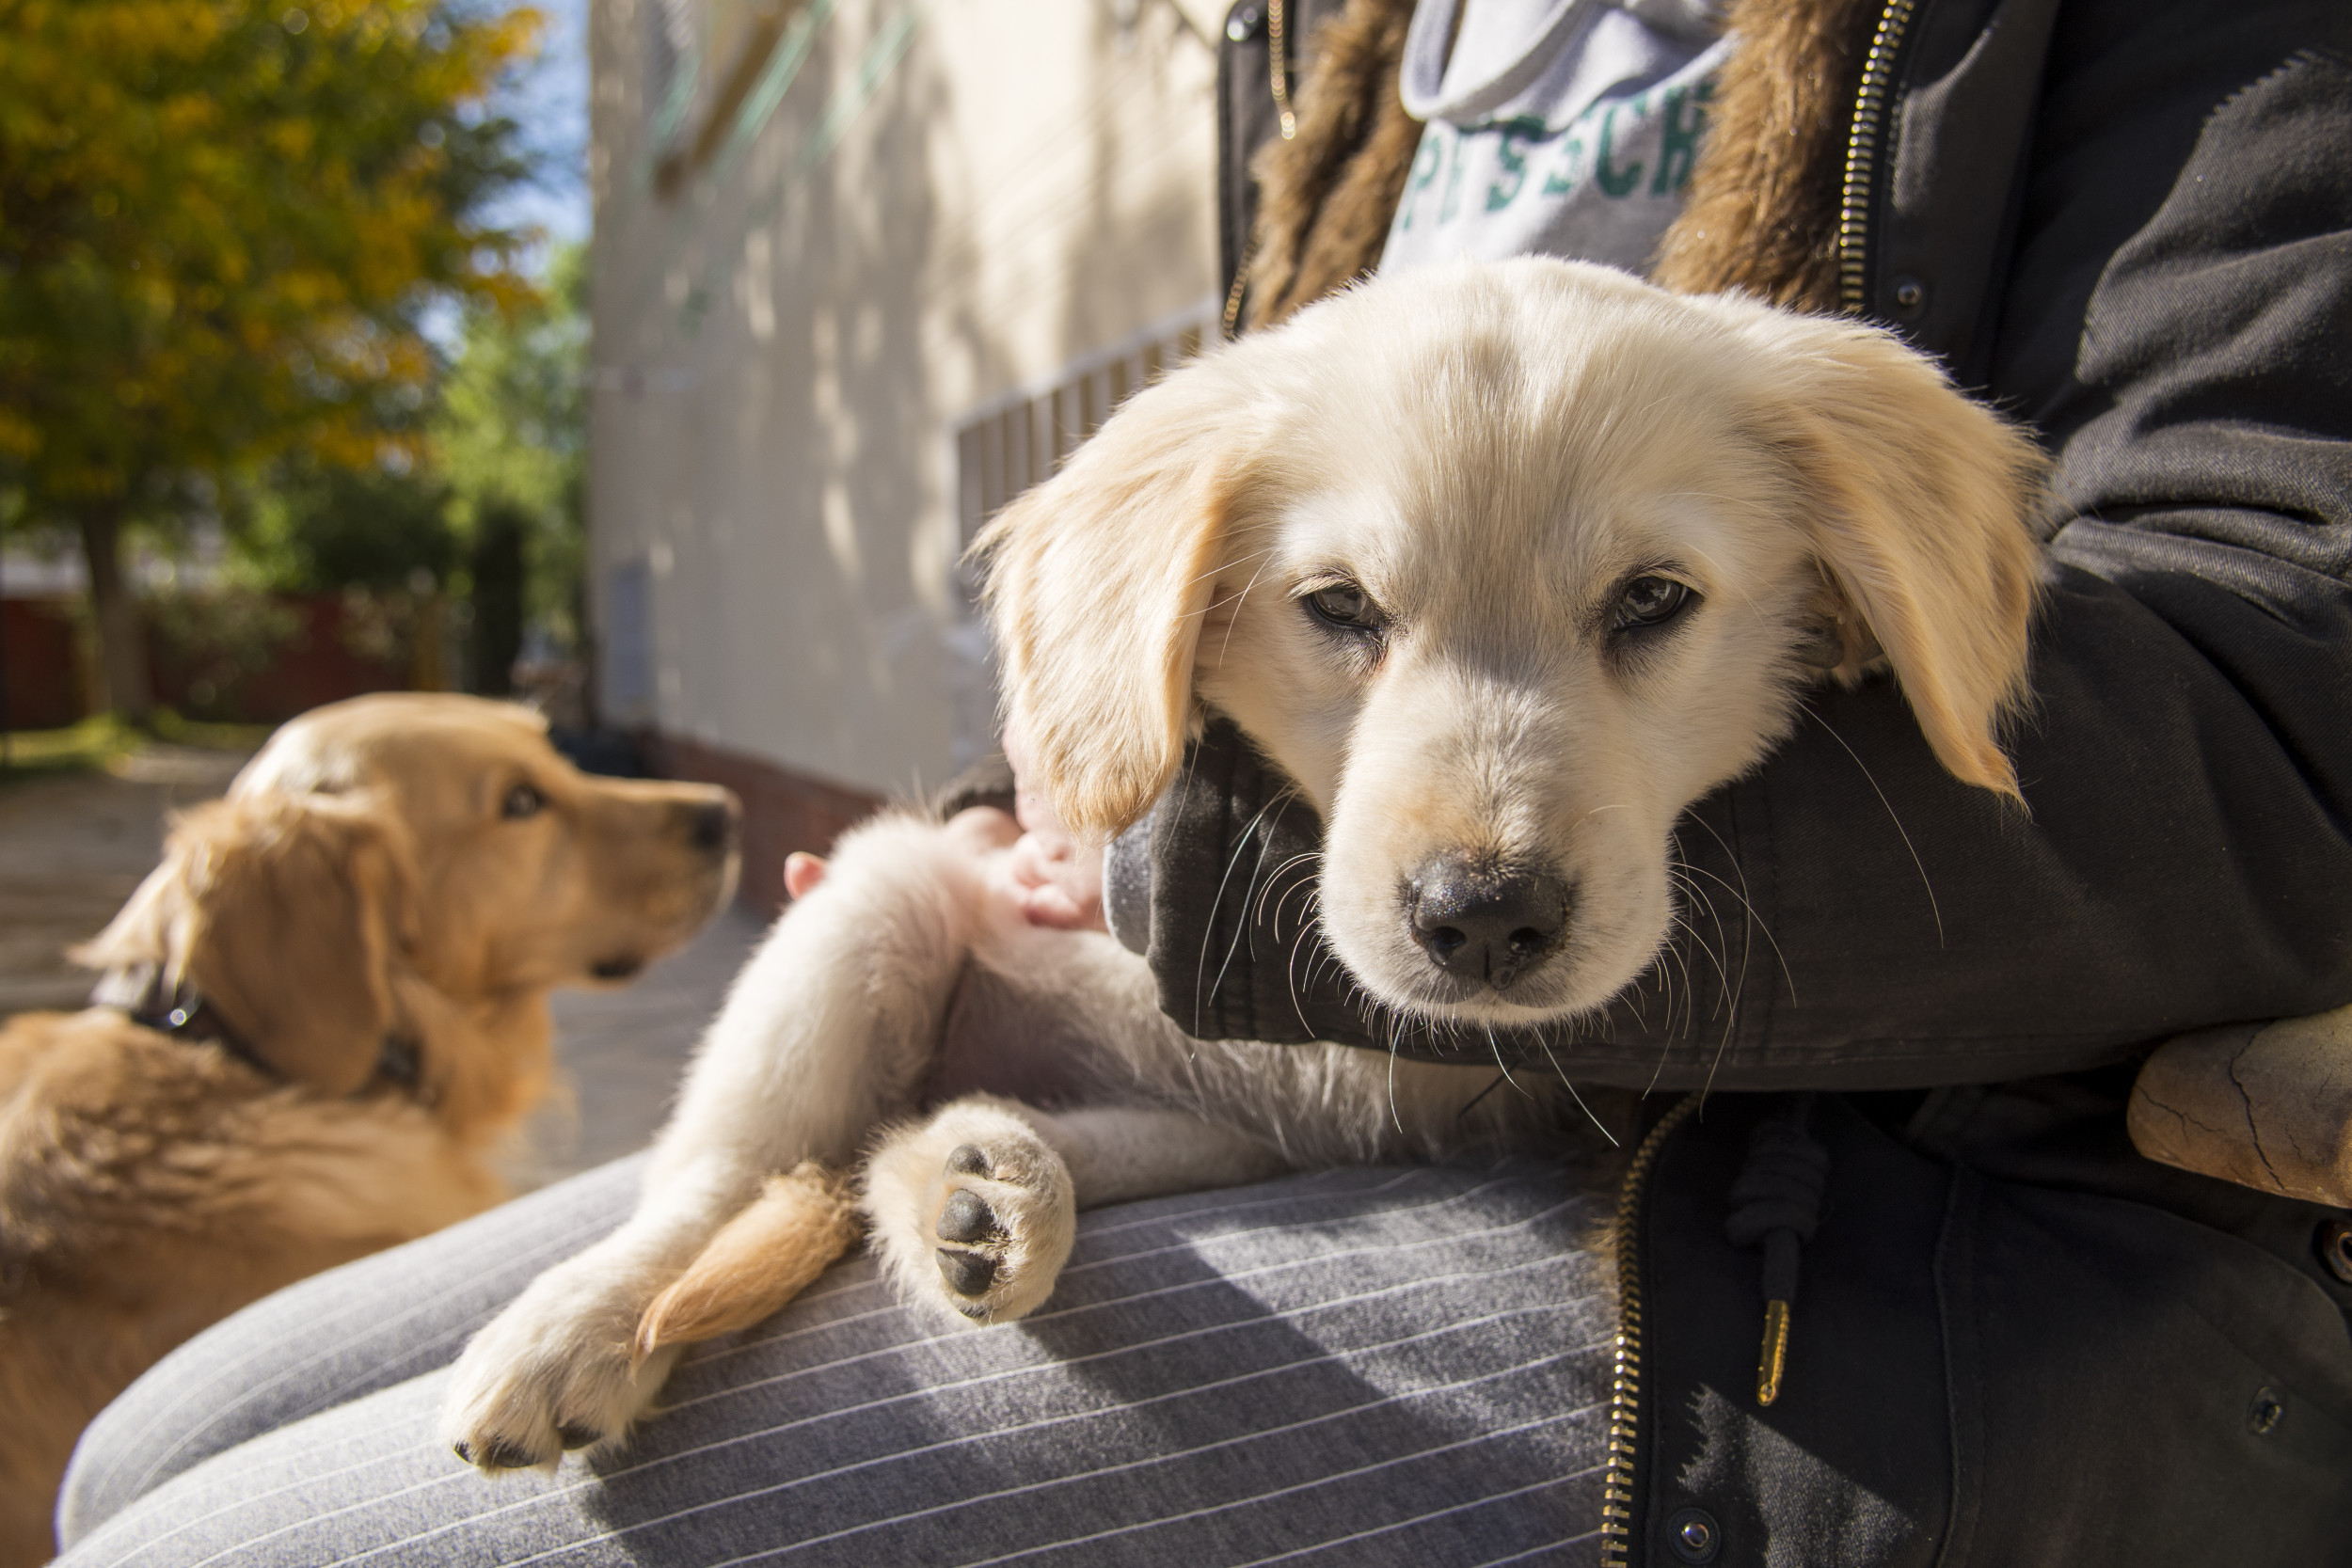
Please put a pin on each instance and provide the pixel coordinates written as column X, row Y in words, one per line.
column 1774, row 1359
column 1775, row 1206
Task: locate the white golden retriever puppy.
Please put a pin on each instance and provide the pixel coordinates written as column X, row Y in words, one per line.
column 1505, row 567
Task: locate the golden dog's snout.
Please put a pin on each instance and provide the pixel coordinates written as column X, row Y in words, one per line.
column 713, row 826
column 1486, row 921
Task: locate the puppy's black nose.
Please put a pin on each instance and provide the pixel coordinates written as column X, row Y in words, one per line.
column 1485, row 921
column 713, row 827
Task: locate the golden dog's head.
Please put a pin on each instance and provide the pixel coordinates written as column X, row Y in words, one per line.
column 424, row 867
column 1506, row 565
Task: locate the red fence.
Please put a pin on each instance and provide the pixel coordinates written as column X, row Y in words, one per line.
column 39, row 661
column 251, row 659
column 279, row 658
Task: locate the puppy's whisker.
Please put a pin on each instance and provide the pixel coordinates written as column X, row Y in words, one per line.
column 1394, row 1114
column 1729, row 1003
column 1282, row 901
column 1290, row 972
column 1545, row 1047
column 1200, row 995
column 1741, row 893
column 1730, row 988
column 1731, row 984
column 1227, row 643
column 1274, row 876
column 1807, row 710
column 1737, row 581
column 1664, row 965
column 1722, row 974
column 1496, row 1046
column 1247, row 925
column 1226, row 565
column 1306, row 909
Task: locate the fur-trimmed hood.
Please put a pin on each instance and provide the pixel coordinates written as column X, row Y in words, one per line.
column 1763, row 205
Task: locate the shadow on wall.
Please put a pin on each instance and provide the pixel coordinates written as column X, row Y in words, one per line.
column 777, row 334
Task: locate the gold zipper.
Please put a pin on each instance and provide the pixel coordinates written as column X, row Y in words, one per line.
column 1625, row 1391
column 1862, row 151
column 1231, row 324
column 1278, row 68
column 1625, row 1395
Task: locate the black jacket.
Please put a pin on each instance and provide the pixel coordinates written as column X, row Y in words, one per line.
column 2017, row 1341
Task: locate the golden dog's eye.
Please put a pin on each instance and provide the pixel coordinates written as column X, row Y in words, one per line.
column 1652, row 601
column 521, row 802
column 1345, row 606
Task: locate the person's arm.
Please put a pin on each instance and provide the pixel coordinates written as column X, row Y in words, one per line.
column 2175, row 323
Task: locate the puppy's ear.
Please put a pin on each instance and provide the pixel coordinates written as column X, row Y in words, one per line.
column 1098, row 580
column 1920, row 503
column 282, row 911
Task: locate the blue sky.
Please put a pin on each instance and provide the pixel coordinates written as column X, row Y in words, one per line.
column 550, row 100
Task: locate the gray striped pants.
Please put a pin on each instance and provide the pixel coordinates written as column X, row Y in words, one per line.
column 1391, row 1366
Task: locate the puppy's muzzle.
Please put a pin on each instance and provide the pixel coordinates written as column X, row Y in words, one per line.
column 1481, row 921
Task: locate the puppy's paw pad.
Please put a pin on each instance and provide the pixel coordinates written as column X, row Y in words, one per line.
column 497, row 1453
column 968, row 1273
column 1006, row 1212
column 549, row 1375
column 973, row 1212
column 965, row 1217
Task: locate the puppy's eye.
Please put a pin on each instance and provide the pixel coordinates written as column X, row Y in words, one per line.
column 1345, row 606
column 1652, row 601
column 521, row 802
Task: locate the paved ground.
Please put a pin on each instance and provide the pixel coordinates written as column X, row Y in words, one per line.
column 622, row 1050
column 74, row 847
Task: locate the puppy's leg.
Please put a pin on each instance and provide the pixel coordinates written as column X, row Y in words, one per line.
column 758, row 1261
column 973, row 1211
column 826, row 1033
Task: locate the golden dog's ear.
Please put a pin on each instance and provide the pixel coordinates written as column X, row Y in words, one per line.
column 282, row 910
column 1920, row 503
column 1098, row 580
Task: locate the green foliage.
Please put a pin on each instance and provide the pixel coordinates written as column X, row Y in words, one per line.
column 220, row 221
column 490, row 513
column 509, row 435
column 316, row 528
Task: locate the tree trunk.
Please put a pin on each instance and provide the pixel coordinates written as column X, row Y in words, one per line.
column 122, row 649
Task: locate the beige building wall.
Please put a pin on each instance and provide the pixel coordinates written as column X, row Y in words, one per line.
column 894, row 216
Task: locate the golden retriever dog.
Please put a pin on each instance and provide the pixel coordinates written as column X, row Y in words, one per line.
column 1505, row 567
column 328, row 1004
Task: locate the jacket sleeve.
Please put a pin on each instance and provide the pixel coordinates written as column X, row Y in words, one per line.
column 2174, row 321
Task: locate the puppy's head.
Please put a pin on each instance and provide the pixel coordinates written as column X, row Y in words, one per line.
column 1506, row 566
column 528, row 872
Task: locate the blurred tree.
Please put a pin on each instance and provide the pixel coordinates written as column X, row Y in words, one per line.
column 509, row 435
column 314, row 527
column 221, row 222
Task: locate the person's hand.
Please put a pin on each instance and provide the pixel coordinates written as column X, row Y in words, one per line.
column 1058, row 881
column 1052, row 879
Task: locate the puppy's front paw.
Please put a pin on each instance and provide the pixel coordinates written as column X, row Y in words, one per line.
column 972, row 1212
column 552, row 1373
